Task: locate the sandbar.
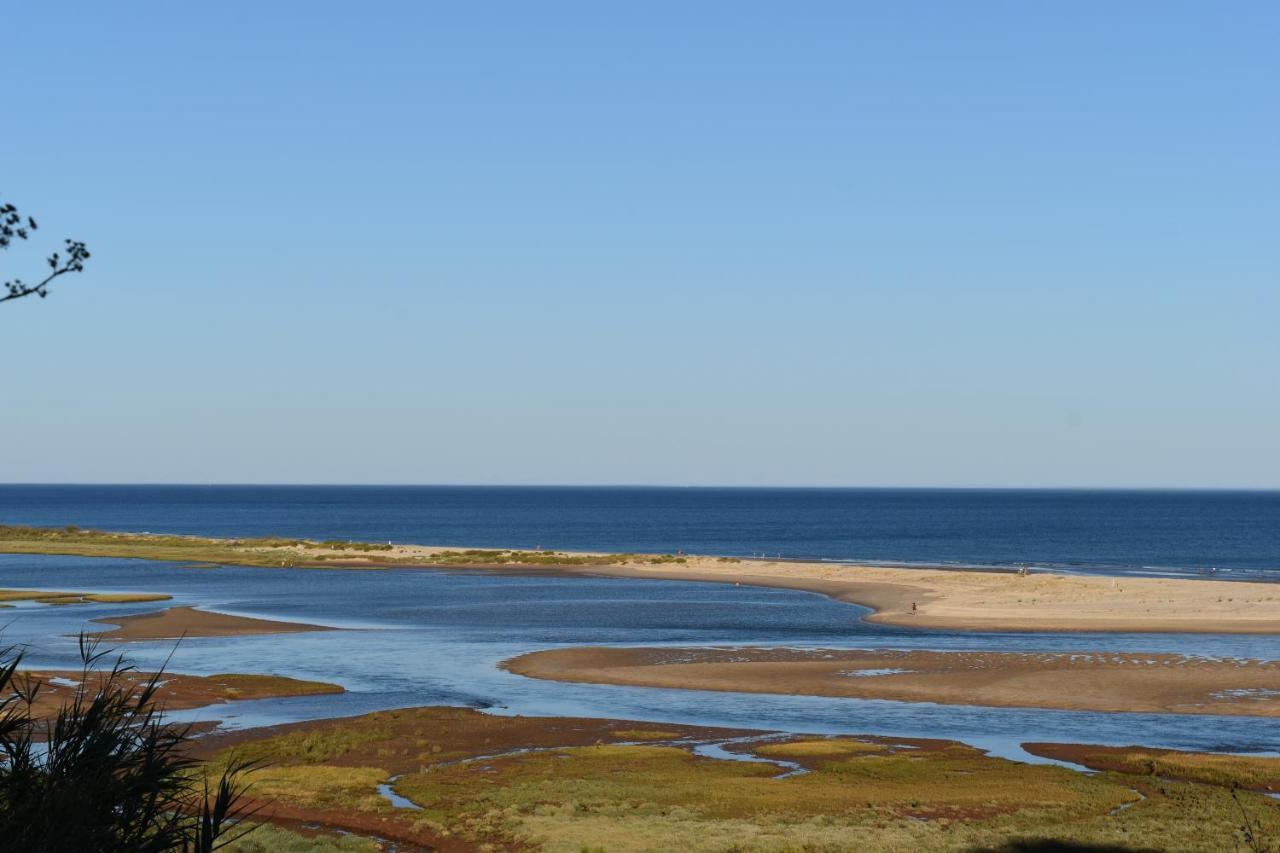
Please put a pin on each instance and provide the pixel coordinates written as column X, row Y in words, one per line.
column 953, row 599
column 44, row 596
column 1131, row 682
column 175, row 622
column 176, row 691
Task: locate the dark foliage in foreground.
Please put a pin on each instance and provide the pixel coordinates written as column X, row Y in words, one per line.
column 107, row 773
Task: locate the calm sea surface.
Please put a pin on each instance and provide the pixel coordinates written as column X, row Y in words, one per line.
column 1124, row 531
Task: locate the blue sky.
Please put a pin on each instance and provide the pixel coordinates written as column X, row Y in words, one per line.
column 716, row 243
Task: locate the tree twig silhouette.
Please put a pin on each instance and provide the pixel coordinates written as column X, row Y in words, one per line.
column 16, row 226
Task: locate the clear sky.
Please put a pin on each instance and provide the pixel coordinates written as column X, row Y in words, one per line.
column 823, row 243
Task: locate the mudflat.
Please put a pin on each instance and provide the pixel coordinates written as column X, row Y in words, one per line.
column 175, row 622
column 1134, row 682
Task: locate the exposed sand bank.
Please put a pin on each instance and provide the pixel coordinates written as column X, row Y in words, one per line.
column 1000, row 601
column 176, row 692
column 176, row 622
column 44, row 596
column 1138, row 682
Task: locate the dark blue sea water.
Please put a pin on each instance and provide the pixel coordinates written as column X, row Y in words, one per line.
column 1122, row 531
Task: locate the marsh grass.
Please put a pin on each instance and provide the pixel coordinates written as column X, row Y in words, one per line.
column 859, row 794
column 1226, row 770
column 272, row 839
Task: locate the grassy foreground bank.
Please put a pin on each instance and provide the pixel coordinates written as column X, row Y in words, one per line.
column 484, row 782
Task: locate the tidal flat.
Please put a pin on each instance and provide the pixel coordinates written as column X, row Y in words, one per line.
column 491, row 758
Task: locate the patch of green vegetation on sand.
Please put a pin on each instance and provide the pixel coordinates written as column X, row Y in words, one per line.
column 62, row 598
column 275, row 552
column 1255, row 772
column 236, row 685
column 645, row 734
column 497, row 557
column 266, row 838
column 73, row 541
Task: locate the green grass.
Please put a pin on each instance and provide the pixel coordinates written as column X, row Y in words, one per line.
column 266, row 838
column 645, row 734
column 277, row 552
column 1246, row 771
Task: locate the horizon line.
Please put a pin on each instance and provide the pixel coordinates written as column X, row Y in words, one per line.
column 709, row 486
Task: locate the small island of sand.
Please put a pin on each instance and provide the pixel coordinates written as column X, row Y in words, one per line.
column 1135, row 682
column 176, row 691
column 175, row 622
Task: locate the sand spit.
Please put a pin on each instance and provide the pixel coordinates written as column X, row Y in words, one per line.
column 1002, row 601
column 175, row 622
column 967, row 600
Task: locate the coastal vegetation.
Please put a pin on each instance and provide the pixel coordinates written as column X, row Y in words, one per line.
column 1259, row 773
column 573, row 785
column 273, row 552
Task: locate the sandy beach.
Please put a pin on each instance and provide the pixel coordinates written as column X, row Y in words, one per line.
column 956, row 599
column 175, row 622
column 1002, row 601
column 964, row 600
column 1146, row 683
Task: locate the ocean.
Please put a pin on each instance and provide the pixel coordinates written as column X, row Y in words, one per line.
column 1231, row 534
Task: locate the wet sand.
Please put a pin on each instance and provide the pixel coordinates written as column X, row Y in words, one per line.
column 1148, row 683
column 177, row 692
column 175, row 622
